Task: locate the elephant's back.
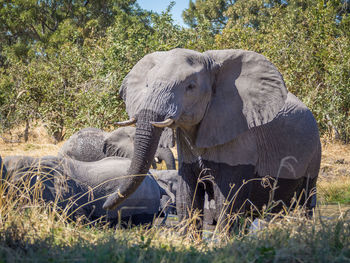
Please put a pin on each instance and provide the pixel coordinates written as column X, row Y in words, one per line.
column 86, row 145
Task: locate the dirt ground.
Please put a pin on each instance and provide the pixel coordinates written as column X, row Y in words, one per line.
column 335, row 159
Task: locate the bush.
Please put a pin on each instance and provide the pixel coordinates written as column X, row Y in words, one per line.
column 76, row 85
column 69, row 77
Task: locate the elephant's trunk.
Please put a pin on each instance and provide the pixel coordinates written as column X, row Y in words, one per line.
column 145, row 145
column 167, row 155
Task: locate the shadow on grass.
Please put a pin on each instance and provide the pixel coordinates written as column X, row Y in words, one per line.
column 289, row 240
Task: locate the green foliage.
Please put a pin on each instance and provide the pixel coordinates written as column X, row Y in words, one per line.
column 50, row 66
column 62, row 61
column 63, row 91
column 204, row 11
column 71, row 80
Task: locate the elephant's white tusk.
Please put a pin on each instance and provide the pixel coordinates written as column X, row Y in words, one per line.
column 162, row 124
column 127, row 123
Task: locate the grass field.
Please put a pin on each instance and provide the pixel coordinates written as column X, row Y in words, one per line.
column 34, row 232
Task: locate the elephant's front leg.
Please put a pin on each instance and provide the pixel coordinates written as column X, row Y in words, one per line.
column 232, row 189
column 190, row 195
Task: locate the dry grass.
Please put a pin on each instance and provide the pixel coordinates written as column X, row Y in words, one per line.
column 29, row 149
column 334, row 178
column 335, row 159
column 39, row 143
column 31, row 230
column 335, row 190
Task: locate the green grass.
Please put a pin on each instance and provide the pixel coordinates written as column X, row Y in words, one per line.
column 292, row 240
column 32, row 231
column 336, row 190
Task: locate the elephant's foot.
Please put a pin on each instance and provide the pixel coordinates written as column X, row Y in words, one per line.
column 134, row 220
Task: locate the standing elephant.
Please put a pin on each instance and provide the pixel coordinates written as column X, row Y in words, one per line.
column 235, row 124
column 84, row 186
column 92, row 144
column 168, row 181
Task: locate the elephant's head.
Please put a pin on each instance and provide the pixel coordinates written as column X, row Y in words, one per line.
column 84, row 145
column 120, row 142
column 213, row 96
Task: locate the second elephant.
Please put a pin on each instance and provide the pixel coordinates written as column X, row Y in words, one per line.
column 83, row 186
column 92, row 144
column 168, row 181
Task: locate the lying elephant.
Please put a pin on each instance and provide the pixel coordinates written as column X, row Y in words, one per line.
column 85, row 185
column 92, row 144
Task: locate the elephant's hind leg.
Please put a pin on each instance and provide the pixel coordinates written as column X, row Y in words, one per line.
column 309, row 187
column 307, row 196
column 273, row 195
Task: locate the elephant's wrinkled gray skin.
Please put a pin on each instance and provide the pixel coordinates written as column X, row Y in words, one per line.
column 84, row 182
column 235, row 122
column 168, row 181
column 92, row 144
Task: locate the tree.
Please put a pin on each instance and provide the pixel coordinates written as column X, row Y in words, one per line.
column 47, row 24
column 70, row 84
column 207, row 10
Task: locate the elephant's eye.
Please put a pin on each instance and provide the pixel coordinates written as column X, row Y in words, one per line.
column 190, row 86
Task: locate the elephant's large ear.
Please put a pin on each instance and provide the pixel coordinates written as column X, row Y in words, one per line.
column 134, row 86
column 248, row 91
column 134, row 90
